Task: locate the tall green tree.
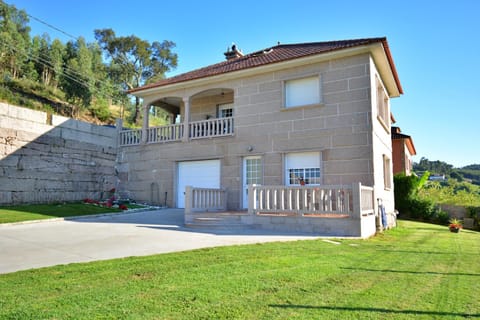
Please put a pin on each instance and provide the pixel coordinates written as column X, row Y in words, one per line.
column 56, row 55
column 39, row 50
column 78, row 76
column 14, row 40
column 134, row 62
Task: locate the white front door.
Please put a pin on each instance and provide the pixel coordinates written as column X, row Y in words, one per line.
column 200, row 174
column 252, row 174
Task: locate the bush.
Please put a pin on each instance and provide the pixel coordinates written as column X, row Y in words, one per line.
column 442, row 217
column 100, row 109
column 422, row 209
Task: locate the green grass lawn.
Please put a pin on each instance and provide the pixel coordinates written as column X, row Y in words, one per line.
column 47, row 211
column 417, row 271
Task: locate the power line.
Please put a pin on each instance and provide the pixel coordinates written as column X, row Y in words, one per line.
column 46, row 23
column 53, row 27
column 67, row 72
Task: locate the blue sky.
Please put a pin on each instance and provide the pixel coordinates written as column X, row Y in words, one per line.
column 435, row 46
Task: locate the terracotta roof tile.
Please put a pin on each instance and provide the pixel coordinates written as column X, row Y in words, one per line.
column 279, row 53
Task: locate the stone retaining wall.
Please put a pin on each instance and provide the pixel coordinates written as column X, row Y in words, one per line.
column 47, row 158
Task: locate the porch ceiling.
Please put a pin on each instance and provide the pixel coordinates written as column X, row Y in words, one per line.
column 170, row 104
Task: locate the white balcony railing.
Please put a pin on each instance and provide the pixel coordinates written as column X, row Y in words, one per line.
column 130, row 137
column 172, row 132
column 211, row 128
column 175, row 132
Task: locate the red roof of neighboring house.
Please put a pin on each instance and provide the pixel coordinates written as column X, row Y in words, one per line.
column 397, row 135
column 279, row 53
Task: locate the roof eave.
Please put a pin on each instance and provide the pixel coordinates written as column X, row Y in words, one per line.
column 384, row 63
column 379, row 51
column 411, row 146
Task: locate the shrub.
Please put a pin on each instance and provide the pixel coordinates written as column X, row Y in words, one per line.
column 441, row 217
column 407, row 201
column 422, row 209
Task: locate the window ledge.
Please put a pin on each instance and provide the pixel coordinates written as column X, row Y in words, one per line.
column 307, row 106
column 384, row 125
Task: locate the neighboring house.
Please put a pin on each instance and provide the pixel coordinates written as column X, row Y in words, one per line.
column 437, row 177
column 403, row 151
column 304, row 115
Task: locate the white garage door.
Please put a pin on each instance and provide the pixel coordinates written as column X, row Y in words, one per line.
column 200, row 174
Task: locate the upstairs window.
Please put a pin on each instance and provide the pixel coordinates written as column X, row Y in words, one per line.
column 383, row 108
column 302, row 92
column 387, row 172
column 225, row 110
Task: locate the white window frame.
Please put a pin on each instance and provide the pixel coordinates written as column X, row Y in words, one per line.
column 224, row 109
column 296, row 91
column 303, row 171
column 387, row 172
column 383, row 105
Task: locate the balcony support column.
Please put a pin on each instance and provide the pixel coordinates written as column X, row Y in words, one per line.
column 186, row 120
column 145, row 109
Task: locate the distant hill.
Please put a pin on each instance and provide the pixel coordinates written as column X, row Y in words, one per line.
column 470, row 172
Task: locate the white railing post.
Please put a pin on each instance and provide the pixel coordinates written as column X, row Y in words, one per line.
column 186, row 120
column 118, row 128
column 357, row 200
column 188, row 199
column 251, row 198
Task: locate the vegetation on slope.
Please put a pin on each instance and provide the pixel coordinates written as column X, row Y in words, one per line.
column 77, row 79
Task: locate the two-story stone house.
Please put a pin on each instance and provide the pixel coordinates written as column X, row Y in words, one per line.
column 293, row 114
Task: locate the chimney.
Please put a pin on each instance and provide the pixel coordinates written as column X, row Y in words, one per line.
column 396, row 130
column 233, row 52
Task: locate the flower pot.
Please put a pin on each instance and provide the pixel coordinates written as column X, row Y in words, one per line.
column 454, row 229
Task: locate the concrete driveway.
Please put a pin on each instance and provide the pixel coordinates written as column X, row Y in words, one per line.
column 48, row 243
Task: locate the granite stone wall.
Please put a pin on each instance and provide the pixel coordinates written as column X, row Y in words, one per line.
column 46, row 158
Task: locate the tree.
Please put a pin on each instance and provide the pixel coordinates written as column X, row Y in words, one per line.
column 14, row 39
column 436, row 167
column 78, row 76
column 56, row 56
column 135, row 62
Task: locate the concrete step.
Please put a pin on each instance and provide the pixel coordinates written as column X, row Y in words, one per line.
column 218, row 220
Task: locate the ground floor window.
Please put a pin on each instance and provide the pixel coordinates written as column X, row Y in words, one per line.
column 304, row 176
column 302, row 168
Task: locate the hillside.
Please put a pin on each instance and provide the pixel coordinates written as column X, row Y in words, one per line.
column 470, row 173
column 34, row 95
column 78, row 79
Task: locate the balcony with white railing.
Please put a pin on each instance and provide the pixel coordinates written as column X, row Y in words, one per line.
column 130, row 137
column 171, row 132
column 210, row 128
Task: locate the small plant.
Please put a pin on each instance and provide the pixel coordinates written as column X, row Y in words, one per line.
column 455, row 225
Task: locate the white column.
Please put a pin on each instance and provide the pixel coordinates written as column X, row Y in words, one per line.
column 186, row 119
column 118, row 127
column 145, row 108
